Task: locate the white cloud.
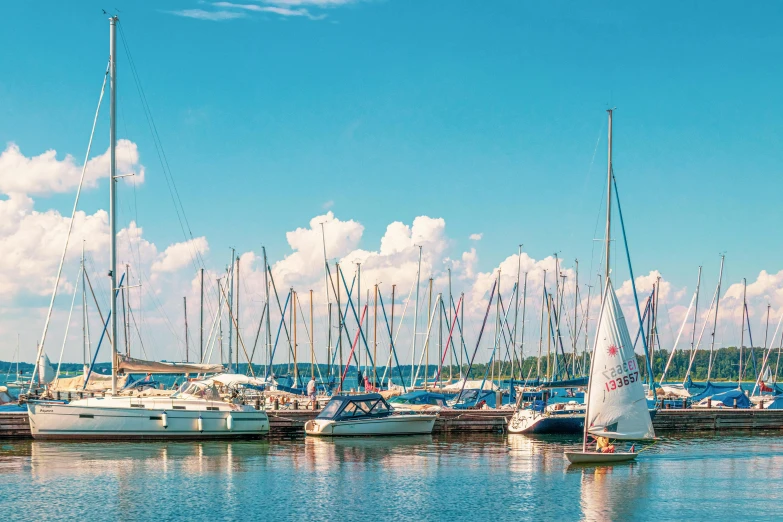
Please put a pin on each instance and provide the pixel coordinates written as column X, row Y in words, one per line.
column 179, row 255
column 476, row 237
column 214, row 16
column 45, row 174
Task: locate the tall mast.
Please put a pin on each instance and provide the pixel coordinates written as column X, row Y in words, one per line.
column 415, row 320
column 715, row 319
column 359, row 307
column 201, row 321
column 125, row 323
column 113, row 195
column 391, row 329
column 231, row 311
column 742, row 331
column 236, row 315
column 268, row 311
column 84, row 319
column 185, row 306
column 339, row 326
column 576, row 300
column 522, row 337
column 541, row 330
column 451, row 353
column 375, row 339
column 427, row 343
column 609, row 198
column 696, row 311
column 293, row 320
column 312, row 339
column 516, row 316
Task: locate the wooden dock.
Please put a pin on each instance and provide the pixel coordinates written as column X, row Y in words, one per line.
column 290, row 423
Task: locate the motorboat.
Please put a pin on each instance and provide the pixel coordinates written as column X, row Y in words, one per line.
column 540, row 418
column 367, row 414
column 196, row 411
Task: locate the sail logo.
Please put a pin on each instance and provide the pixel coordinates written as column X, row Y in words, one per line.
column 613, row 350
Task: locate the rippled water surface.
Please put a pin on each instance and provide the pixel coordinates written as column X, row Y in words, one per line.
column 452, row 478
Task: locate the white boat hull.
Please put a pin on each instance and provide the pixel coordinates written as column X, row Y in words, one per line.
column 592, row 457
column 534, row 422
column 383, row 426
column 153, row 419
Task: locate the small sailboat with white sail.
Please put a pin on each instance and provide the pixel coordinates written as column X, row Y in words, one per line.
column 616, row 403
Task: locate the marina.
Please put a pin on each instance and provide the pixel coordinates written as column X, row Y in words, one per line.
column 229, row 290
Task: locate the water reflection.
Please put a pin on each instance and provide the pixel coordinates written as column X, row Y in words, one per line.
column 441, row 478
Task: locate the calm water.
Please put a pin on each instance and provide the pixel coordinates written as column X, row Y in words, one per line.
column 502, row 477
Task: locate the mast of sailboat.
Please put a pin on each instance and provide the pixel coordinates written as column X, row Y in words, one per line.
column 185, row 308
column 268, row 311
column 415, row 319
column 451, row 353
column 576, row 300
column 312, row 339
column 201, row 321
column 544, row 303
column 604, row 293
column 608, row 200
column 742, row 332
column 113, row 194
column 696, row 311
column 85, row 324
column 236, row 318
column 516, row 316
column 715, row 319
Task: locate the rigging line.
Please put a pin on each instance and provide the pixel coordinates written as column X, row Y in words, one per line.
column 160, row 309
column 141, row 341
column 162, row 156
column 70, row 228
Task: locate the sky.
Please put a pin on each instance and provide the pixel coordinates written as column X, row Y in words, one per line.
column 466, row 127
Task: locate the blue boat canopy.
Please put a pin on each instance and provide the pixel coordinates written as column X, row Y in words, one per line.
column 354, row 407
column 420, row 397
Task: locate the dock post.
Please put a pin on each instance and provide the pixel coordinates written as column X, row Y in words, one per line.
column 709, row 402
column 296, row 404
column 276, row 404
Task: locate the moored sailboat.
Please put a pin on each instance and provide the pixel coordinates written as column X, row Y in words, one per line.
column 196, row 411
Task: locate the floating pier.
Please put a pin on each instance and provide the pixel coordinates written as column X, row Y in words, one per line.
column 290, row 423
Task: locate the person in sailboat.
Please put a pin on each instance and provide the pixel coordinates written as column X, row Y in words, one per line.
column 602, row 445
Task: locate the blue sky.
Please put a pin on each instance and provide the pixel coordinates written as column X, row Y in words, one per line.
column 490, row 115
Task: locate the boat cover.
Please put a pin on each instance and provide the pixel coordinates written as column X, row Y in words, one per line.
column 131, row 365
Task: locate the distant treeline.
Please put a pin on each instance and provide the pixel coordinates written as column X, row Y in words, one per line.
column 725, row 367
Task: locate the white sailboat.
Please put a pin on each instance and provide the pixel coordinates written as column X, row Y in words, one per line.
column 196, row 411
column 616, row 403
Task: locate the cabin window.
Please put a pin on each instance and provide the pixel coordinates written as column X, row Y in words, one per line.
column 379, row 407
column 330, row 410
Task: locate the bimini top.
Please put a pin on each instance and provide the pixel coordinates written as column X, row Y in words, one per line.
column 354, row 407
column 420, row 397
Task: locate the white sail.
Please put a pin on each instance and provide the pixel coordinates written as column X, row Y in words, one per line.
column 617, row 407
column 45, row 370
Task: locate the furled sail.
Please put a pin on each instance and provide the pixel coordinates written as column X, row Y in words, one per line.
column 131, row 365
column 617, row 407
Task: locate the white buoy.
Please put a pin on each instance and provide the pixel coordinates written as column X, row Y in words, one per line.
column 230, row 422
column 200, row 424
column 164, row 420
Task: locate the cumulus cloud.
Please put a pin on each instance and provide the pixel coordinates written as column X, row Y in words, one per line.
column 45, row 174
column 179, row 255
column 476, row 237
